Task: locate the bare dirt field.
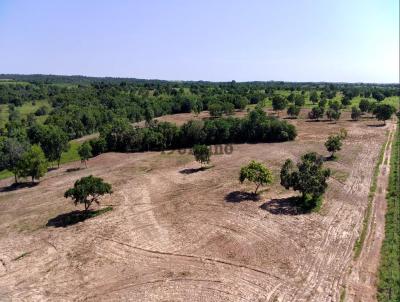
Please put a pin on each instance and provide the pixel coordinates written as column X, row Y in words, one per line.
column 177, row 234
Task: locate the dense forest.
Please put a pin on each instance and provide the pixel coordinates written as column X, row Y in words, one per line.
column 48, row 111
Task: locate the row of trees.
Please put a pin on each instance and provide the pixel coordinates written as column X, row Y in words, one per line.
column 256, row 127
column 22, row 159
column 308, row 176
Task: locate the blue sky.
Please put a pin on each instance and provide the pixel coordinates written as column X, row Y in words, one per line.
column 298, row 40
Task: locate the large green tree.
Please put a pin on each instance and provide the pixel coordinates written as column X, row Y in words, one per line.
column 308, row 176
column 279, row 102
column 88, row 190
column 33, row 163
column 11, row 153
column 384, row 112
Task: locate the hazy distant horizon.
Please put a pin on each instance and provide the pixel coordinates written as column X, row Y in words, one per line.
column 293, row 41
column 206, row 81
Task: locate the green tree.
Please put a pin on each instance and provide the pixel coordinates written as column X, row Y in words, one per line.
column 316, row 113
column 11, row 153
column 216, row 109
column 55, row 143
column 333, row 144
column 52, row 139
column 309, row 177
column 293, row 110
column 88, row 190
column 85, row 152
column 148, row 114
column 202, row 154
column 314, row 97
column 33, row 163
column 241, row 103
column 257, row 173
column 299, row 100
column 278, row 103
column 384, row 112
column 333, row 114
column 355, row 113
column 364, row 105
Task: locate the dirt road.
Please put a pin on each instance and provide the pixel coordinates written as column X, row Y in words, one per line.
column 363, row 277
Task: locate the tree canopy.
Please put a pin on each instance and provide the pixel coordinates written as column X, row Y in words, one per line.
column 88, row 190
column 257, row 173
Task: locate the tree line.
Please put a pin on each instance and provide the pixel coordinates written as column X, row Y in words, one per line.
column 255, row 127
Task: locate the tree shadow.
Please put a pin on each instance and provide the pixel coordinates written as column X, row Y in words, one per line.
column 239, row 196
column 316, row 121
column 71, row 218
column 19, row 185
column 193, row 170
column 284, row 206
column 73, row 169
column 376, row 125
column 330, row 158
column 64, row 220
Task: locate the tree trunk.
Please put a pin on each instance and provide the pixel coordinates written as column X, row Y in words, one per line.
column 15, row 178
column 258, row 185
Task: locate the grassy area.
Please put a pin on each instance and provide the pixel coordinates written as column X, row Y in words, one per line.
column 66, row 157
column 5, row 174
column 24, row 110
column 71, row 154
column 389, row 270
column 360, row 241
column 393, row 100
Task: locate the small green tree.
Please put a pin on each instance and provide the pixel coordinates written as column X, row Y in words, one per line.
column 202, row 154
column 299, row 100
column 33, row 163
column 333, row 114
column 316, row 113
column 88, row 190
column 314, row 97
column 384, row 112
column 85, row 152
column 364, row 105
column 278, row 103
column 355, row 113
column 293, row 110
column 257, row 173
column 333, row 144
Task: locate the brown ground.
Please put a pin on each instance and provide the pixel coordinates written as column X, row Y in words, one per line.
column 363, row 277
column 180, row 236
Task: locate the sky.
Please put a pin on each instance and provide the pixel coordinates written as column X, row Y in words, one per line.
column 214, row 40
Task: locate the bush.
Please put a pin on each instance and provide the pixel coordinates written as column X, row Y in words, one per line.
column 202, row 154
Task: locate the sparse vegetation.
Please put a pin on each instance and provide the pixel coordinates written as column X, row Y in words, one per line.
column 389, row 270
